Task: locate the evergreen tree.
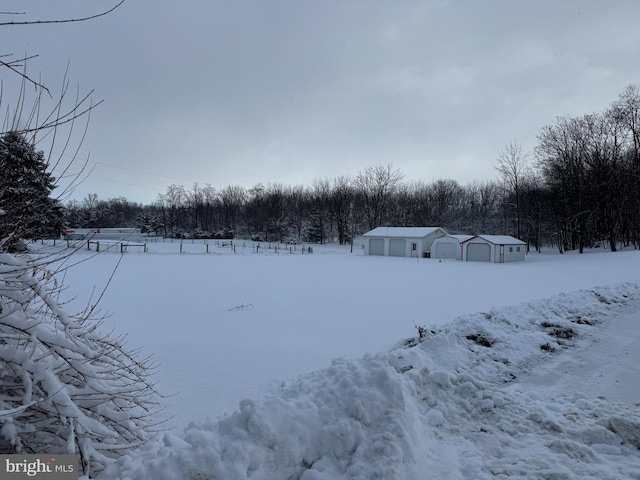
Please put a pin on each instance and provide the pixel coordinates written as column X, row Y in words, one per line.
column 25, row 193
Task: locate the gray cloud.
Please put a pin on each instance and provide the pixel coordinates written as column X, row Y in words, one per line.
column 261, row 91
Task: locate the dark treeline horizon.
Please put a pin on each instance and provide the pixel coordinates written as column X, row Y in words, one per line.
column 578, row 188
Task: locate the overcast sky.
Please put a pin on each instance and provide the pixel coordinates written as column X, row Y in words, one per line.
column 241, row 92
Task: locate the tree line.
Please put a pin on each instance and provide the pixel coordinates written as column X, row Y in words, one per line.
column 330, row 210
column 578, row 188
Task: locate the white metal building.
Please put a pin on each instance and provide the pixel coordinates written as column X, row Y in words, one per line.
column 493, row 248
column 116, row 234
column 401, row 241
column 448, row 246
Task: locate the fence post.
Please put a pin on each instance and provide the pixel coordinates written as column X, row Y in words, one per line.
column 97, row 246
column 180, row 246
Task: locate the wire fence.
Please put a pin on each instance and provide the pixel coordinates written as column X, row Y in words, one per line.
column 196, row 246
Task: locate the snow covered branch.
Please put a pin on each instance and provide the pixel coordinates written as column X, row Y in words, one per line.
column 66, row 387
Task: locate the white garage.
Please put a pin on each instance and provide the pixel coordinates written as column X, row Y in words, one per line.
column 401, row 241
column 448, row 246
column 493, row 248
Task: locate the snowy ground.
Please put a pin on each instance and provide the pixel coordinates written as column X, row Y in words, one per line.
column 478, row 398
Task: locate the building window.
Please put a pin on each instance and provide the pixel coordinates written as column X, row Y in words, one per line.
column 510, row 249
column 414, row 246
column 518, row 249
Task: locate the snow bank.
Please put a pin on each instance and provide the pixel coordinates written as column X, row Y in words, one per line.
column 455, row 404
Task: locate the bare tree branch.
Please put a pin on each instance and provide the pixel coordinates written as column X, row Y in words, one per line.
column 20, row 63
column 68, row 20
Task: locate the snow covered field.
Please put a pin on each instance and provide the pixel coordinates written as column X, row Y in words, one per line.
column 308, row 366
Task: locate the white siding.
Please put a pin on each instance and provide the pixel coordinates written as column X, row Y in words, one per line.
column 514, row 253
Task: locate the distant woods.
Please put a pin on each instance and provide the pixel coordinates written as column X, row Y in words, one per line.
column 578, row 188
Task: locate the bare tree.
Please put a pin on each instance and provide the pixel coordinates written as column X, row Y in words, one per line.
column 211, row 217
column 481, row 206
column 513, row 165
column 445, row 197
column 626, row 110
column 375, row 185
column 319, row 215
column 233, row 198
column 559, row 156
column 603, row 160
column 340, row 207
column 172, row 203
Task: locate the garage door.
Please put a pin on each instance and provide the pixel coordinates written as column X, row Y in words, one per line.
column 397, row 247
column 376, row 246
column 446, row 250
column 479, row 252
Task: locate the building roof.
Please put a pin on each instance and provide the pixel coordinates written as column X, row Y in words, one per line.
column 407, row 232
column 499, row 239
column 459, row 238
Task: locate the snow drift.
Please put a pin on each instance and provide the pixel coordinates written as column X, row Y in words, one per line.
column 457, row 404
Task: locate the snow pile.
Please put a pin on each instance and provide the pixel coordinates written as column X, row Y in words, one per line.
column 455, row 404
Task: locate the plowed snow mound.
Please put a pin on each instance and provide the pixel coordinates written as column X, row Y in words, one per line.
column 486, row 397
